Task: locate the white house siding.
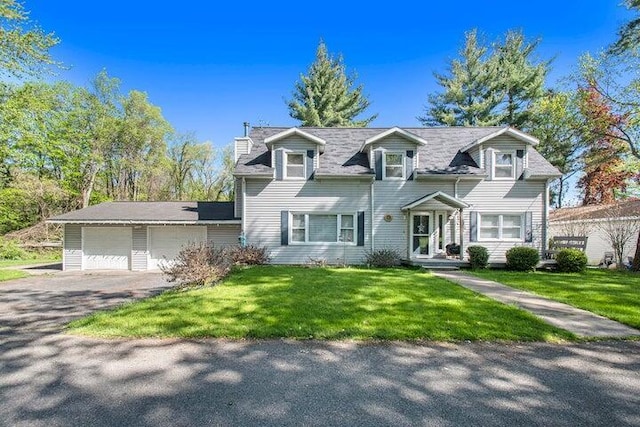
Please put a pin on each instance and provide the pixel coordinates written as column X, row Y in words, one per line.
column 597, row 242
column 394, row 143
column 504, row 197
column 266, row 199
column 139, row 248
column 72, row 247
column 223, row 235
column 297, row 143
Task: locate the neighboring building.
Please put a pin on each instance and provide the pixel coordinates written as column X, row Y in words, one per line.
column 338, row 193
column 587, row 221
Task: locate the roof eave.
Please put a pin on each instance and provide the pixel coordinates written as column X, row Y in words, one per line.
column 294, row 131
column 528, row 139
column 450, row 176
column 394, row 130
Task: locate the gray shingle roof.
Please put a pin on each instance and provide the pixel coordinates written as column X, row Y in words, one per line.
column 151, row 212
column 441, row 155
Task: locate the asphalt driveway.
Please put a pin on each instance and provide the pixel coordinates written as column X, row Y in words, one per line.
column 51, row 379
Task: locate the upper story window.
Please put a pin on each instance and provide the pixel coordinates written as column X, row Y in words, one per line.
column 393, row 165
column 500, row 226
column 504, row 165
column 294, row 165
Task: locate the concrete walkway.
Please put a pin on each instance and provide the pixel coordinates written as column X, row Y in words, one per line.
column 580, row 322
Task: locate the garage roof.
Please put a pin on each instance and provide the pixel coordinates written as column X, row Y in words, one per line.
column 152, row 213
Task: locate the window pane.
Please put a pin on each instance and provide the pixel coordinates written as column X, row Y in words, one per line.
column 503, row 172
column 298, row 221
column 489, row 220
column 323, row 228
column 393, row 172
column 511, row 220
column 421, row 224
column 347, row 221
column 511, row 233
column 346, row 236
column 488, row 233
column 393, row 159
column 295, row 159
column 297, row 235
column 503, row 159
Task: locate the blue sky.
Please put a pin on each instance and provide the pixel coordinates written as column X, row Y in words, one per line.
column 212, row 65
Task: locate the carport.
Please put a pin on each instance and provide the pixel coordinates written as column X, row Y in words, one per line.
column 142, row 235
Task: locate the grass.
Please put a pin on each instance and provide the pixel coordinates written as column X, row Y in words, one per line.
column 39, row 259
column 610, row 293
column 323, row 303
column 11, row 274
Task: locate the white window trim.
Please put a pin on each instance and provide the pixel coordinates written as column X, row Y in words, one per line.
column 500, row 226
column 338, row 228
column 513, row 165
column 384, row 165
column 285, row 161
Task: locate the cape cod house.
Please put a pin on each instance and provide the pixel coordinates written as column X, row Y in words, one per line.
column 338, row 193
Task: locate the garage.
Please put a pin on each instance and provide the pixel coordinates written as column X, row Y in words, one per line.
column 165, row 242
column 106, row 248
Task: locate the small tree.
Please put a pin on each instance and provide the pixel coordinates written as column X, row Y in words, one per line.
column 619, row 232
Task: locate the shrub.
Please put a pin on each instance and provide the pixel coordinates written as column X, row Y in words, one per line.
column 248, row 255
column 571, row 260
column 522, row 258
column 384, row 258
column 478, row 256
column 9, row 249
column 198, row 265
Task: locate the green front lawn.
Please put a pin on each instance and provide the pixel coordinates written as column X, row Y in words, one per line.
column 610, row 293
column 26, row 262
column 323, row 303
column 11, row 274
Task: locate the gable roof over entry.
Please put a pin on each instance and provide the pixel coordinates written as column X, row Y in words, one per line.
column 439, row 196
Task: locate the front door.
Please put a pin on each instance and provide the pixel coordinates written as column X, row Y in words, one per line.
column 421, row 235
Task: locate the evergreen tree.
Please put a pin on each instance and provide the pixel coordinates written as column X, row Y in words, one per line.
column 470, row 94
column 629, row 34
column 520, row 78
column 326, row 96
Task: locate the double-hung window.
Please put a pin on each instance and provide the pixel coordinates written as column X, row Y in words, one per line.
column 500, row 226
column 393, row 165
column 322, row 228
column 295, row 165
column 503, row 165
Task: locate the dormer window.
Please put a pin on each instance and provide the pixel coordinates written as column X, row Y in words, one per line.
column 393, row 165
column 504, row 165
column 294, row 165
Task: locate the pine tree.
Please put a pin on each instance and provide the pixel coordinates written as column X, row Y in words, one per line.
column 326, row 96
column 629, row 33
column 520, row 77
column 470, row 93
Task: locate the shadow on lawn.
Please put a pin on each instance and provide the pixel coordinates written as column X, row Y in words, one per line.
column 52, row 379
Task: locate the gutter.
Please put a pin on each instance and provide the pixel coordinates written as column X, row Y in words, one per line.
column 142, row 222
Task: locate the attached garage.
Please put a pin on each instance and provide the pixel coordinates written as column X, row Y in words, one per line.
column 106, row 248
column 165, row 242
column 142, row 235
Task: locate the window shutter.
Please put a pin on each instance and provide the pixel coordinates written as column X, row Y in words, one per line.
column 528, row 227
column 473, row 226
column 488, row 163
column 409, row 165
column 284, row 228
column 378, row 164
column 310, row 155
column 360, row 228
column 519, row 164
column 279, row 165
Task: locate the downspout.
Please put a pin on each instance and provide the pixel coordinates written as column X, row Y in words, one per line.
column 372, row 216
column 545, row 219
column 244, row 205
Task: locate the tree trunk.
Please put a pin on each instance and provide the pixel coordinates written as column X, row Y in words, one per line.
column 636, row 258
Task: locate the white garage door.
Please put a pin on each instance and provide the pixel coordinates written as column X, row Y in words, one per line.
column 106, row 248
column 166, row 242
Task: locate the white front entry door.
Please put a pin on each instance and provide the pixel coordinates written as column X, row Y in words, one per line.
column 106, row 248
column 421, row 235
column 166, row 242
